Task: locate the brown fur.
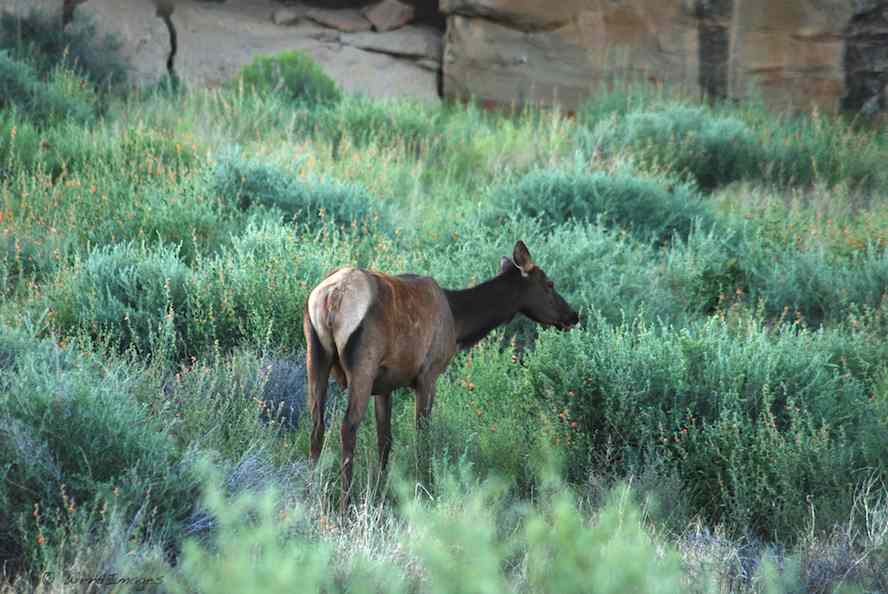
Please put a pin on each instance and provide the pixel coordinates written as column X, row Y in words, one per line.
column 377, row 332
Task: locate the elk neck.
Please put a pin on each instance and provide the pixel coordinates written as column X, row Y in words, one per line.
column 479, row 309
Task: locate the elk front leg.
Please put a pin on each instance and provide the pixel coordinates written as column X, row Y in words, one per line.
column 383, row 409
column 425, row 398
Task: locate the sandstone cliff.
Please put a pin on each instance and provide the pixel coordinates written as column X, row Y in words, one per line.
column 799, row 53
column 832, row 54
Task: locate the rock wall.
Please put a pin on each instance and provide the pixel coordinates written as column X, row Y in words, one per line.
column 832, row 54
column 794, row 53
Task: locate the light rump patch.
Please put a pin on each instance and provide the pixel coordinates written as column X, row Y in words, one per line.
column 333, row 317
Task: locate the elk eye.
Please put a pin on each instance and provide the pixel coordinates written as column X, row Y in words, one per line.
column 550, row 284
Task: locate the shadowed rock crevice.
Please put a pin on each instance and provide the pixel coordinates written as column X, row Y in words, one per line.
column 165, row 13
column 713, row 21
column 68, row 7
column 866, row 61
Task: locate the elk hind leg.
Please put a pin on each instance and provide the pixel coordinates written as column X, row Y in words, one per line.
column 360, row 364
column 359, row 386
column 318, row 364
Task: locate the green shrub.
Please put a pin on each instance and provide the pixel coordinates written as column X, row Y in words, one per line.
column 16, row 348
column 125, row 293
column 618, row 100
column 246, row 183
column 822, row 288
column 251, row 292
column 641, row 205
column 717, row 146
column 29, row 148
column 221, row 404
column 479, row 420
column 613, row 554
column 755, row 422
column 457, row 543
column 44, row 103
column 185, row 217
column 292, row 73
column 255, row 289
column 256, row 544
column 710, row 269
column 803, row 150
column 715, row 269
column 72, row 437
column 39, row 39
column 712, row 150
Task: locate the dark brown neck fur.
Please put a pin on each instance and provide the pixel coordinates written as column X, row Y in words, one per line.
column 480, row 309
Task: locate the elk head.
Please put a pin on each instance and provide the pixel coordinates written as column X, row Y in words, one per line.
column 538, row 299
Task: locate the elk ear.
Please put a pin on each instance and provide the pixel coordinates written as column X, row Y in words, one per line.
column 505, row 264
column 522, row 259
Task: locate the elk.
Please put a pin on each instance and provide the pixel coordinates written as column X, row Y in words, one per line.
column 377, row 332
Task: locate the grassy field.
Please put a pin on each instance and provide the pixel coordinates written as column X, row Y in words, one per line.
column 718, row 422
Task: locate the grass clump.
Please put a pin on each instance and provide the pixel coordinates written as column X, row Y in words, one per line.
column 817, row 288
column 252, row 549
column 363, row 122
column 644, row 206
column 458, row 545
column 809, row 150
column 24, row 259
column 293, row 74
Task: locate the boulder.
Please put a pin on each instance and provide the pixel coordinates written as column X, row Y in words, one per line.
column 412, row 41
column 345, row 20
column 507, row 55
column 287, row 16
column 389, row 15
column 145, row 41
